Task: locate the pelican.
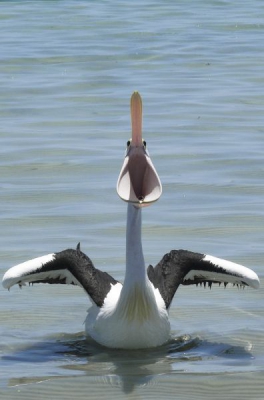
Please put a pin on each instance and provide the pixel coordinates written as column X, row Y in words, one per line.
column 134, row 314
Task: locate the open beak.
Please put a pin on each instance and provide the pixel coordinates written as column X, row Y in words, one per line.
column 138, row 181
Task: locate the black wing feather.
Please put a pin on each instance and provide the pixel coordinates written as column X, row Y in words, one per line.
column 95, row 282
column 169, row 273
column 65, row 267
column 188, row 268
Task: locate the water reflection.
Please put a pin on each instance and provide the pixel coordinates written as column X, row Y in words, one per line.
column 73, row 355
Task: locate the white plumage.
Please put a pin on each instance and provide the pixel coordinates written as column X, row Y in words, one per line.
column 133, row 315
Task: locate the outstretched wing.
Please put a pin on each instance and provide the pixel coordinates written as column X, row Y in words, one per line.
column 69, row 266
column 187, row 268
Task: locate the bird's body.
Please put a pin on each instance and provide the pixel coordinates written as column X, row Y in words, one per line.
column 133, row 314
column 130, row 319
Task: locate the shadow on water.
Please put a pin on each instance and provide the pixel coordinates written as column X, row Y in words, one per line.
column 71, row 355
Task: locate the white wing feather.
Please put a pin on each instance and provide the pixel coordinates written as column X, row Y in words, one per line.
column 32, row 271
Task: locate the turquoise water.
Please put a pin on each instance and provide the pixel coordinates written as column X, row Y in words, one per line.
column 67, row 71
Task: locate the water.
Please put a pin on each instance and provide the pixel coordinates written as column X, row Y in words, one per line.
column 66, row 75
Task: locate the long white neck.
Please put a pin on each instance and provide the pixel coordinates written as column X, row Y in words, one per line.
column 135, row 264
column 137, row 302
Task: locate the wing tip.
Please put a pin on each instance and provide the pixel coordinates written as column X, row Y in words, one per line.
column 246, row 275
column 6, row 282
column 255, row 282
column 15, row 275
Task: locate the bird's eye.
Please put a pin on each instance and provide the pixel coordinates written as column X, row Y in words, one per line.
column 128, row 143
column 144, row 143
